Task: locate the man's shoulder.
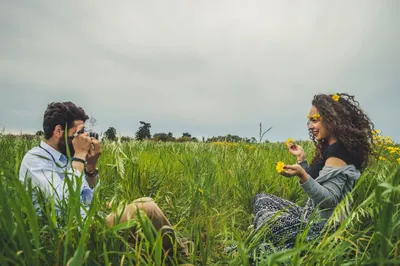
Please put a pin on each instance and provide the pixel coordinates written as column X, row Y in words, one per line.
column 33, row 159
column 36, row 154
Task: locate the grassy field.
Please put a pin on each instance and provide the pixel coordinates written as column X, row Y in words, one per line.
column 206, row 191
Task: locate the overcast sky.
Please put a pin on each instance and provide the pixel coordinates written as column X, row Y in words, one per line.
column 203, row 67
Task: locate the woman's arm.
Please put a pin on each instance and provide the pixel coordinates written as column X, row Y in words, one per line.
column 329, row 193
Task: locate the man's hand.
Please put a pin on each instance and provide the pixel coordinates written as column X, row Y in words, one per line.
column 81, row 143
column 295, row 170
column 93, row 155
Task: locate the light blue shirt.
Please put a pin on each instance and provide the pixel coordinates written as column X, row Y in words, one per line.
column 47, row 168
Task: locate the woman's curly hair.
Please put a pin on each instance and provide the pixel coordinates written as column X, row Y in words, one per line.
column 347, row 122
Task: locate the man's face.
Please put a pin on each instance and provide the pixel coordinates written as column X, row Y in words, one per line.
column 62, row 147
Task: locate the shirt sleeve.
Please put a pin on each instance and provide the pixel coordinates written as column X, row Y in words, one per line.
column 304, row 165
column 328, row 194
column 86, row 191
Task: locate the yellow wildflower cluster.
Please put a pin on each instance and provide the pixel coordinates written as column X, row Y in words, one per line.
column 393, row 149
column 380, row 140
column 387, row 148
column 226, row 144
column 248, row 147
column 234, row 145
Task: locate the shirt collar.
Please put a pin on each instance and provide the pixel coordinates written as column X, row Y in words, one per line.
column 56, row 154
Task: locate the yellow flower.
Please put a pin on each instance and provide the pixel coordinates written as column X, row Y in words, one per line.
column 398, row 160
column 382, row 158
column 279, row 167
column 316, row 116
column 335, row 97
column 376, row 131
column 288, row 141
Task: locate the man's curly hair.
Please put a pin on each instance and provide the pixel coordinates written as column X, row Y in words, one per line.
column 348, row 123
column 61, row 113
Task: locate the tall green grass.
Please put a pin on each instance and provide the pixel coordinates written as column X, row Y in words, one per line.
column 206, row 191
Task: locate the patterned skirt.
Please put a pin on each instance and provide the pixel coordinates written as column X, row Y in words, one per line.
column 284, row 219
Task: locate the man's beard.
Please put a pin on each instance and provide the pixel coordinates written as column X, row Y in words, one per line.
column 63, row 148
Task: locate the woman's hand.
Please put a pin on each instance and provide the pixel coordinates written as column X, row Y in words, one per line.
column 295, row 170
column 296, row 150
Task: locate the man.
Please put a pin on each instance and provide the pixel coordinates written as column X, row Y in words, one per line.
column 49, row 166
column 48, row 163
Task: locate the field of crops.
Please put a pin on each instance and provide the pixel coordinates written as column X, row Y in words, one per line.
column 206, row 191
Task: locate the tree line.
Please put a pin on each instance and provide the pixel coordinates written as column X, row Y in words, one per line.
column 143, row 133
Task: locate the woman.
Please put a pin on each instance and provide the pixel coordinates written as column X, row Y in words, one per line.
column 342, row 134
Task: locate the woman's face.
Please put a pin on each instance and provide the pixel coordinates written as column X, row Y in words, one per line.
column 316, row 124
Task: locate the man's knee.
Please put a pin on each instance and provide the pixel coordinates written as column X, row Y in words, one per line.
column 143, row 200
column 145, row 205
column 150, row 208
column 128, row 214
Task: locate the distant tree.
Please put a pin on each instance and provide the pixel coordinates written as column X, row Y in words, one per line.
column 186, row 134
column 111, row 134
column 144, row 131
column 164, row 137
column 187, row 139
column 39, row 133
column 229, row 138
column 126, row 139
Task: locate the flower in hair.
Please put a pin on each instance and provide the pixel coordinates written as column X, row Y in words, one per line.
column 335, row 97
column 315, row 116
